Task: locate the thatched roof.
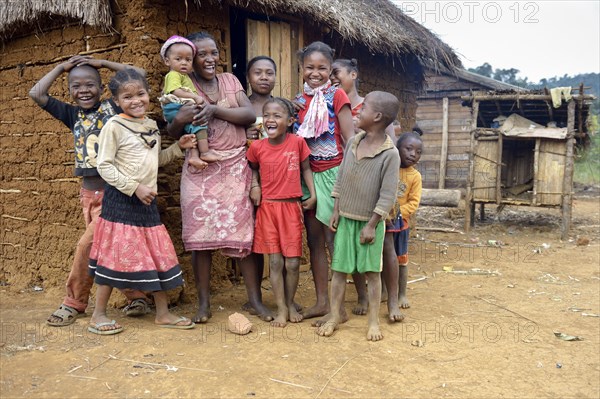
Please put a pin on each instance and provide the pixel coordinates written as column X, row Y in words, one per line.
column 378, row 24
column 15, row 14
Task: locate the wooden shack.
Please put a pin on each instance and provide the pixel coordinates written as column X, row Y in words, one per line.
column 522, row 151
column 446, row 125
column 40, row 215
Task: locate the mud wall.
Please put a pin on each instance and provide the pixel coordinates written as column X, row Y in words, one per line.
column 41, row 217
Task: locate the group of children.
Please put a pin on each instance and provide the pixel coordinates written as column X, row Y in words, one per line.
column 349, row 200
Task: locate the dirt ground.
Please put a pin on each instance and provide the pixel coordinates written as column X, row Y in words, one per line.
column 482, row 324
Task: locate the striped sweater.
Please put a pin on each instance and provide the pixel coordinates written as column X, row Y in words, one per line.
column 369, row 185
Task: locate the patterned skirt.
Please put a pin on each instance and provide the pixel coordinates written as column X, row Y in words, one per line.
column 132, row 248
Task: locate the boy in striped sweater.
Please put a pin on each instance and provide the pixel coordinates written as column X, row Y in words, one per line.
column 364, row 192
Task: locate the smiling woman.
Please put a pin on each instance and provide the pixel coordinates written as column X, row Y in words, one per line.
column 215, row 203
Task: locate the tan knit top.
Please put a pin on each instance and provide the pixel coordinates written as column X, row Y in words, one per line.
column 369, row 185
column 126, row 158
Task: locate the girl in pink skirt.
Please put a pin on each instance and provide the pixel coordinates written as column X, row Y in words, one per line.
column 132, row 248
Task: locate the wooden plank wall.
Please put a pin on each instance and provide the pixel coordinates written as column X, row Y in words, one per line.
column 275, row 40
column 551, row 171
column 429, row 119
column 486, row 170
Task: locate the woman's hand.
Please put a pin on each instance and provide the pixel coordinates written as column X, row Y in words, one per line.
column 207, row 112
column 252, row 132
column 298, row 105
column 188, row 113
column 145, row 194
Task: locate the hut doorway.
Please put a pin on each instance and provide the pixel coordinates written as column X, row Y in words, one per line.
column 256, row 34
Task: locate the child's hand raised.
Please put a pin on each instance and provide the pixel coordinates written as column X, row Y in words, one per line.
column 145, row 194
column 310, row 203
column 187, row 141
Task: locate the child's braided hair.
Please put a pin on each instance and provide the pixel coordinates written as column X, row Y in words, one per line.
column 285, row 103
column 123, row 76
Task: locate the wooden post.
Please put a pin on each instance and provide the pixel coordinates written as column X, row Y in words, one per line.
column 499, row 171
column 469, row 195
column 567, row 201
column 536, row 161
column 444, row 154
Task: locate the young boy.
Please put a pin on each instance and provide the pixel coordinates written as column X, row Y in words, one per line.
column 410, row 146
column 364, row 192
column 85, row 120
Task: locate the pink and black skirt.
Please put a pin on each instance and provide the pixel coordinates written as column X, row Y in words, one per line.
column 132, row 248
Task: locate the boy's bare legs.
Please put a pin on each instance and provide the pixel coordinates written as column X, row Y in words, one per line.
column 99, row 316
column 292, row 268
column 201, row 264
column 318, row 264
column 331, row 321
column 277, row 285
column 402, row 281
column 252, row 277
column 259, row 261
column 390, row 277
column 374, row 289
column 163, row 316
column 360, row 283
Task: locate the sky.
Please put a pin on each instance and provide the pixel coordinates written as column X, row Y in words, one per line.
column 541, row 39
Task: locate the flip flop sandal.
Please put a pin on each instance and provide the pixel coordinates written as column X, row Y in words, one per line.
column 137, row 307
column 66, row 314
column 177, row 326
column 96, row 328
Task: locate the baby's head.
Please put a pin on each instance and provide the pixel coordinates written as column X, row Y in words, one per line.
column 178, row 54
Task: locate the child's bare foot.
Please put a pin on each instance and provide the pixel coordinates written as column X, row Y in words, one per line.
column 202, row 316
column 316, row 311
column 294, row 316
column 262, row 312
column 394, row 314
column 281, row 319
column 374, row 333
column 403, row 302
column 328, row 317
column 197, row 163
column 210, row 156
column 361, row 307
column 327, row 329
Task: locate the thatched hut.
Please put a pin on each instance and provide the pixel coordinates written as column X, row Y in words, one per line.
column 446, row 125
column 40, row 215
column 522, row 150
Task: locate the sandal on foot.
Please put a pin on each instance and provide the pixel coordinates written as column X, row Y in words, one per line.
column 137, row 307
column 66, row 314
column 96, row 328
column 175, row 324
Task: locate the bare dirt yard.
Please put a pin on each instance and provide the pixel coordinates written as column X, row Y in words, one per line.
column 483, row 323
